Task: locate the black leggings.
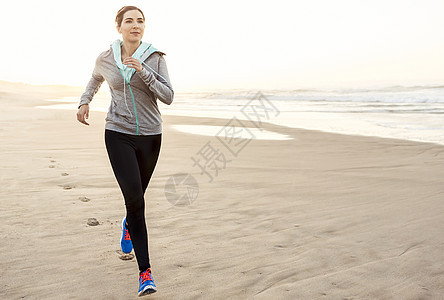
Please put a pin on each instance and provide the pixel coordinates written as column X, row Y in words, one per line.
column 133, row 159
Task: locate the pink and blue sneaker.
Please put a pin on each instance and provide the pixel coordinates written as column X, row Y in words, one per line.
column 125, row 241
column 146, row 283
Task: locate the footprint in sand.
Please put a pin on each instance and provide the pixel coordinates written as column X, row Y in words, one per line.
column 125, row 256
column 64, row 174
column 67, row 186
column 84, row 199
column 92, row 222
column 52, row 166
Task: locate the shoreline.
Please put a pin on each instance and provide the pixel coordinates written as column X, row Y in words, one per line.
column 194, row 114
column 339, row 123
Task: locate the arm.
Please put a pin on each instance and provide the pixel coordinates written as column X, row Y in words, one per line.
column 160, row 87
column 92, row 87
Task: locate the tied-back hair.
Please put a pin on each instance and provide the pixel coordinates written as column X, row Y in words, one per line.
column 123, row 10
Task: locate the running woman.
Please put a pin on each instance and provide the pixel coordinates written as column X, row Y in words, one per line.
column 137, row 75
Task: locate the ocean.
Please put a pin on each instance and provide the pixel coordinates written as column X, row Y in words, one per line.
column 412, row 113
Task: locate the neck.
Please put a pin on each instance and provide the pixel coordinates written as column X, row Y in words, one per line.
column 128, row 48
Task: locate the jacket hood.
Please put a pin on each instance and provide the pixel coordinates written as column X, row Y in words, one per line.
column 142, row 53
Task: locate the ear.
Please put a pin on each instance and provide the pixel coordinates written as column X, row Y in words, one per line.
column 118, row 28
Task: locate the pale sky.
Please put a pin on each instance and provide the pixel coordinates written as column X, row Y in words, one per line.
column 235, row 44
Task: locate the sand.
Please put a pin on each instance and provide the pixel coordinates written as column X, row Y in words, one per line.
column 320, row 216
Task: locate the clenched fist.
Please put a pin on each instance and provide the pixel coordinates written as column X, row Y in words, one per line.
column 133, row 63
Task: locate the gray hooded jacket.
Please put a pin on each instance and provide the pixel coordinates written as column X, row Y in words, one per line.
column 133, row 108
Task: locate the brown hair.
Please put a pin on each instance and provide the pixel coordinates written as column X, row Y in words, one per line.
column 123, row 10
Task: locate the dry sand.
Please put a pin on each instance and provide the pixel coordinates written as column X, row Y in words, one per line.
column 322, row 216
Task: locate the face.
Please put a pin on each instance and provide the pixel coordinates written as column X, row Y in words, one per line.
column 132, row 27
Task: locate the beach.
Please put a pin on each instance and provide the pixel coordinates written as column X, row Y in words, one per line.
column 317, row 216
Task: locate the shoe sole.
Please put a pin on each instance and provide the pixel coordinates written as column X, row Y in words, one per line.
column 148, row 290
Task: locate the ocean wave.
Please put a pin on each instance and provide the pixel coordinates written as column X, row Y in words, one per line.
column 392, row 94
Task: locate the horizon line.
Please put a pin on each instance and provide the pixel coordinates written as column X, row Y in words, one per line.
column 301, row 88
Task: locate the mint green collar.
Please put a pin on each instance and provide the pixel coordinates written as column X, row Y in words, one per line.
column 128, row 72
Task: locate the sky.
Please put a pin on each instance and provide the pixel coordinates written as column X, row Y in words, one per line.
column 239, row 44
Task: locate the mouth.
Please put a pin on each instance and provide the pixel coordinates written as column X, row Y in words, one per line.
column 135, row 32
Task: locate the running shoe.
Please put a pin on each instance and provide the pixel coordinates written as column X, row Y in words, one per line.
column 125, row 241
column 146, row 283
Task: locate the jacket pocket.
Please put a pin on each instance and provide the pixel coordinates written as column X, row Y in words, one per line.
column 119, row 112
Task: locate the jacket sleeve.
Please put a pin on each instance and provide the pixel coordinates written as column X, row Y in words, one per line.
column 93, row 85
column 161, row 87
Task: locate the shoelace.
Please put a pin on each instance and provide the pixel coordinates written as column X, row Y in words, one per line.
column 153, row 71
column 124, row 96
column 146, row 276
column 127, row 236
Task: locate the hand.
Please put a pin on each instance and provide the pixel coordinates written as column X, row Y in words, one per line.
column 133, row 63
column 82, row 113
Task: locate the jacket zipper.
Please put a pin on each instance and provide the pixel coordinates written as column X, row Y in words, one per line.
column 135, row 110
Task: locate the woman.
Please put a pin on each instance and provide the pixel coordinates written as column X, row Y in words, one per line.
column 137, row 75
